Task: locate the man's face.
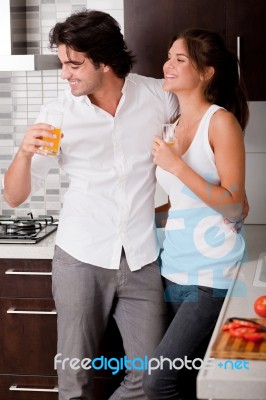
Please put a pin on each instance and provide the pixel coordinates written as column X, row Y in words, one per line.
column 83, row 77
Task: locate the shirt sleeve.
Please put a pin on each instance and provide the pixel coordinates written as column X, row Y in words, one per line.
column 40, row 168
column 171, row 106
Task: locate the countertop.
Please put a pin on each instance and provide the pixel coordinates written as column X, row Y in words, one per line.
column 42, row 250
column 232, row 383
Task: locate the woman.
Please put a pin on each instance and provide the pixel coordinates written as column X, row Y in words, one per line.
column 203, row 174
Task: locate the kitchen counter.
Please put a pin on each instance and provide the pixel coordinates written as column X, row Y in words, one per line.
column 216, row 383
column 42, row 250
column 238, row 381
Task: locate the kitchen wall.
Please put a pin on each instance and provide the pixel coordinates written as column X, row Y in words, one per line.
column 22, row 93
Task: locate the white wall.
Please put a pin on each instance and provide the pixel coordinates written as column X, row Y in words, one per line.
column 255, row 141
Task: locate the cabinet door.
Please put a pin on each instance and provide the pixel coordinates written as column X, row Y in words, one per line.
column 246, row 20
column 27, row 336
column 25, row 278
column 28, row 387
column 150, row 25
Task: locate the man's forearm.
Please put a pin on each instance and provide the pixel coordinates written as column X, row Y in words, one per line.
column 17, row 180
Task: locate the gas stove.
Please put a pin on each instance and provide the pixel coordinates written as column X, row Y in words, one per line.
column 26, row 229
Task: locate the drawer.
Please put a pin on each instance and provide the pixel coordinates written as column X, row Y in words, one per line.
column 28, row 335
column 25, row 278
column 21, row 387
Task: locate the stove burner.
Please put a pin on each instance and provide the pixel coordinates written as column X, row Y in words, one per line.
column 26, row 229
column 23, row 227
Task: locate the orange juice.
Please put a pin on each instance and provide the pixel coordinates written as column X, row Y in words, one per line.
column 170, row 143
column 54, row 149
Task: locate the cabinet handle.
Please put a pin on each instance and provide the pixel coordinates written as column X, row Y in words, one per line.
column 14, row 272
column 26, row 389
column 12, row 310
column 238, row 48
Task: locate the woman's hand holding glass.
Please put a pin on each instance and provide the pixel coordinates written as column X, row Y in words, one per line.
column 166, row 156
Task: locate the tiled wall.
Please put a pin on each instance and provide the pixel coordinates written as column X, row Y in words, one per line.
column 22, row 93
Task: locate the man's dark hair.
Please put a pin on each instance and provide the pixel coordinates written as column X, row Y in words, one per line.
column 96, row 34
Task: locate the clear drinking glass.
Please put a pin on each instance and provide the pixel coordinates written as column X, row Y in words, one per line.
column 168, row 133
column 55, row 119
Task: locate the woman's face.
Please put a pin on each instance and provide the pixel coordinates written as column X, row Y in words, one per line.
column 179, row 72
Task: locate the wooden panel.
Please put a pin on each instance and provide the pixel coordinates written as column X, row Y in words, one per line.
column 18, row 278
column 28, row 382
column 43, row 385
column 247, row 19
column 29, row 340
column 150, row 26
column 230, row 347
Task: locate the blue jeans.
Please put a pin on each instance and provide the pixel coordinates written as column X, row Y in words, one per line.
column 193, row 312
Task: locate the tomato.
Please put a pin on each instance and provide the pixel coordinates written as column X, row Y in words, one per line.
column 227, row 327
column 240, row 332
column 260, row 306
column 253, row 337
column 243, row 323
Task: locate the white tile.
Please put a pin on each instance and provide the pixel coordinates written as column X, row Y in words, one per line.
column 34, row 94
column 51, row 72
column 18, row 101
column 19, row 94
column 35, row 79
column 48, row 86
column 50, row 94
column 20, row 107
column 18, row 73
column 50, row 79
column 119, row 16
column 64, row 8
column 105, row 4
column 18, row 114
column 33, row 115
column 34, row 73
column 17, row 79
column 34, row 86
column 33, row 107
column 19, row 86
column 5, row 100
column 35, row 101
column 20, row 122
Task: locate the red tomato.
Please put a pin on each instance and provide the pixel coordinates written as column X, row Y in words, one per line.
column 240, row 332
column 260, row 306
column 227, row 327
column 242, row 323
column 253, row 337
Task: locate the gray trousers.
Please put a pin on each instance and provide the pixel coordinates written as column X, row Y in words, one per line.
column 84, row 297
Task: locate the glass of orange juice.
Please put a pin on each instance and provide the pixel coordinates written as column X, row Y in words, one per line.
column 55, row 119
column 168, row 133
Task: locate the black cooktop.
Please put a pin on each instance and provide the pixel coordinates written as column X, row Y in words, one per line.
column 26, row 229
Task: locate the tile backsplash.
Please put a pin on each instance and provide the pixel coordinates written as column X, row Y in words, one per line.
column 22, row 93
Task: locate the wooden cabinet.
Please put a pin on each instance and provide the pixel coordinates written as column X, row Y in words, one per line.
column 246, row 21
column 28, row 330
column 28, row 335
column 150, row 26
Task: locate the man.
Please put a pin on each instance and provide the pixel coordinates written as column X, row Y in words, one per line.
column 106, row 248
